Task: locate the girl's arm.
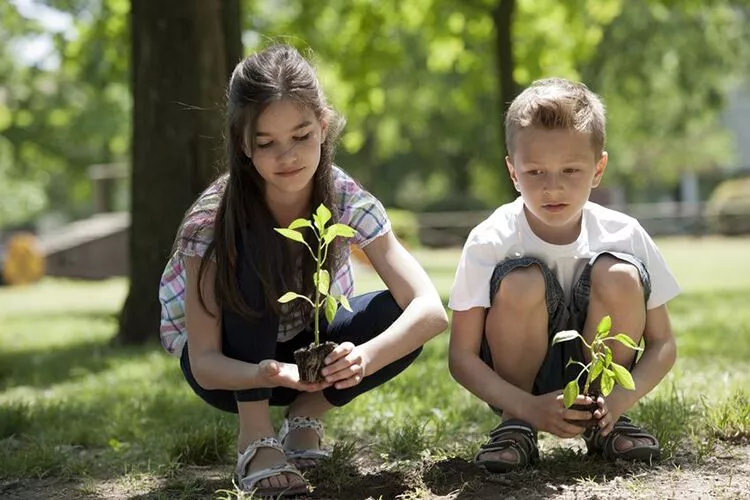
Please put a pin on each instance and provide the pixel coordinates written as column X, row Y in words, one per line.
column 211, row 369
column 424, row 316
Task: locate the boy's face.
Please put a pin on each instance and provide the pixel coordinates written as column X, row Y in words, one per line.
column 555, row 170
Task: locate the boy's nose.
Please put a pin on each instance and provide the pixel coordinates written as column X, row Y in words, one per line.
column 553, row 182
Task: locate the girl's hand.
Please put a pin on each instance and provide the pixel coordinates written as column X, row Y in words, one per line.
column 277, row 374
column 346, row 366
column 547, row 413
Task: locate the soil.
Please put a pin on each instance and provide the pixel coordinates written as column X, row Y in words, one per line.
column 311, row 360
column 564, row 473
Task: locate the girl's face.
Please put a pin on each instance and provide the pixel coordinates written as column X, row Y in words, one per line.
column 287, row 150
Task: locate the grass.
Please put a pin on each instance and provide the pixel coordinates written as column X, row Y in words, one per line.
column 76, row 409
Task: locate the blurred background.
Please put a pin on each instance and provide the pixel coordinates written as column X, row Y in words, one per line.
column 111, row 126
column 105, row 107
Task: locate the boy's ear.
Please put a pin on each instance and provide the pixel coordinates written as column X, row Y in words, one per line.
column 512, row 172
column 601, row 166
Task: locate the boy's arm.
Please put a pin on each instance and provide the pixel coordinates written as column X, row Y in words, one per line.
column 467, row 328
column 659, row 355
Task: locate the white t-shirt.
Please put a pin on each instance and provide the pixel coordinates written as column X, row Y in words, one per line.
column 506, row 234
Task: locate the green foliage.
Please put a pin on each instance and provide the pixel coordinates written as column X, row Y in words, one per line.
column 729, row 207
column 601, row 365
column 405, row 226
column 321, row 278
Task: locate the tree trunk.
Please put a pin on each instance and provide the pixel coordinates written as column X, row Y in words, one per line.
column 179, row 71
column 502, row 16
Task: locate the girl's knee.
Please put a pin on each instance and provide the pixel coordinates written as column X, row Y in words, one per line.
column 523, row 288
column 615, row 279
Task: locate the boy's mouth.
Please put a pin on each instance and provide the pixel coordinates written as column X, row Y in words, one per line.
column 554, row 207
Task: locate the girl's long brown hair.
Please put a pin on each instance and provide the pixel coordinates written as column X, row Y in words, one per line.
column 243, row 220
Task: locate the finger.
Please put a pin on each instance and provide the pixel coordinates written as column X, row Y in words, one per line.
column 568, row 430
column 601, row 412
column 344, row 374
column 583, row 400
column 341, row 364
column 340, row 351
column 350, row 382
column 577, row 415
column 606, row 425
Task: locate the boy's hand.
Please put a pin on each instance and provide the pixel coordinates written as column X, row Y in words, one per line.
column 606, row 415
column 547, row 413
column 277, row 374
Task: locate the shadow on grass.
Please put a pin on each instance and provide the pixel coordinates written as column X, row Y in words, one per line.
column 45, row 366
column 562, row 470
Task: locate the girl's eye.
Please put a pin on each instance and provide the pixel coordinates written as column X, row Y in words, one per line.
column 304, row 137
column 264, row 145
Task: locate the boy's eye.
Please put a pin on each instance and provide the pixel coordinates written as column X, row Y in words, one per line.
column 571, row 170
column 535, row 172
column 303, row 138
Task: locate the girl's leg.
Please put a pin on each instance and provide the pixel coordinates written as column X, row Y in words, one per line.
column 371, row 314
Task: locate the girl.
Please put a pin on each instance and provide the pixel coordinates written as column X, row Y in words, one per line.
column 219, row 291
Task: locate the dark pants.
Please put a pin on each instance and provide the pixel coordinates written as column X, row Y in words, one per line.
column 562, row 315
column 253, row 342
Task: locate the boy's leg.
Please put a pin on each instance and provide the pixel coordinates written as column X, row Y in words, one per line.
column 617, row 285
column 527, row 304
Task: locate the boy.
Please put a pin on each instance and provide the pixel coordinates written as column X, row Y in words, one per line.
column 551, row 261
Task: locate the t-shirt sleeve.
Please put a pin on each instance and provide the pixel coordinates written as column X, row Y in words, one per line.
column 197, row 229
column 471, row 284
column 664, row 286
column 364, row 213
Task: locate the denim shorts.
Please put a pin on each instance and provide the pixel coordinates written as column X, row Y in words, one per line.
column 564, row 314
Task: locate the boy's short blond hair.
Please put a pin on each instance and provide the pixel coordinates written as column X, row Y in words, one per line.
column 557, row 104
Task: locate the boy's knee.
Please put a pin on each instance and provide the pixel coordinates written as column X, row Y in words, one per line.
column 612, row 278
column 522, row 288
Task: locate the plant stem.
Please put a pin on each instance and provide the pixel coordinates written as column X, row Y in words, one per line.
column 317, row 293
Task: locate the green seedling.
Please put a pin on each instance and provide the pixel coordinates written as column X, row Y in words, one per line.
column 321, row 278
column 601, row 364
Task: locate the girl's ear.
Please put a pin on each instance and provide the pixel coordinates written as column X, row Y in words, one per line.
column 246, row 148
column 323, row 130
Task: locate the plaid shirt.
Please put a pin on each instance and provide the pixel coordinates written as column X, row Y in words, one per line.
column 357, row 208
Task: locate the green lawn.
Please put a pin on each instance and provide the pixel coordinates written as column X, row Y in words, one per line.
column 75, row 409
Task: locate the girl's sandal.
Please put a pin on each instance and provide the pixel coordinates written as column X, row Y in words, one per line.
column 247, row 482
column 296, row 423
column 605, row 445
column 511, row 435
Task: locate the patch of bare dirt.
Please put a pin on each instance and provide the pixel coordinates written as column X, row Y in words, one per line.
column 565, row 474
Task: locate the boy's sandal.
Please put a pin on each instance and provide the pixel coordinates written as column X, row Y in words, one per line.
column 296, row 423
column 623, row 428
column 511, row 435
column 247, row 482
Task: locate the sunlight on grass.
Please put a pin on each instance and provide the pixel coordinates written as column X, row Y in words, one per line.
column 72, row 405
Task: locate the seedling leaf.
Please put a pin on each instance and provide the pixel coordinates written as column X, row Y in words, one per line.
column 623, row 376
column 291, row 234
column 570, row 393
column 330, row 308
column 564, row 336
column 288, row 297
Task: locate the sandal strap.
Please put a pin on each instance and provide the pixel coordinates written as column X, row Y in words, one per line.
column 295, row 423
column 250, row 480
column 514, row 435
column 244, row 459
column 605, row 445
